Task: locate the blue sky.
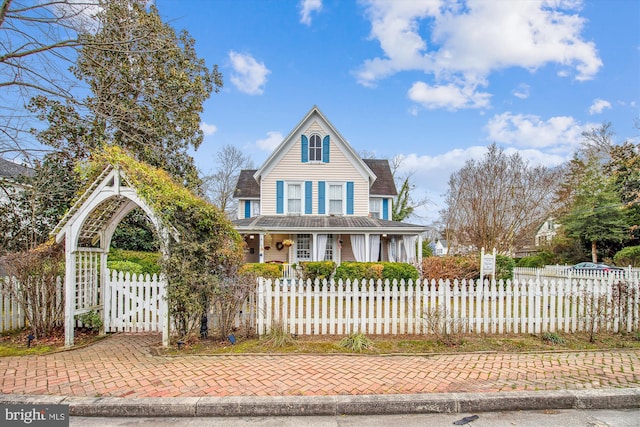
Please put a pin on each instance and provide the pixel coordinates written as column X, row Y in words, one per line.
column 434, row 81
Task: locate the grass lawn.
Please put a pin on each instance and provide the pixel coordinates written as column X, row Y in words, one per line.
column 15, row 343
column 410, row 344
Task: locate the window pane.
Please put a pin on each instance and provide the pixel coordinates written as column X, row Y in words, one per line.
column 294, row 198
column 315, row 149
column 256, row 208
column 375, row 207
column 335, row 199
column 303, row 247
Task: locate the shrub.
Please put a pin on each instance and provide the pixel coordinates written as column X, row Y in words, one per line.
column 536, row 261
column 504, row 267
column 400, row 271
column 356, row 342
column 317, row 269
column 278, row 336
column 628, row 256
column 36, row 286
column 376, row 270
column 266, row 270
column 125, row 266
column 148, row 262
column 451, row 267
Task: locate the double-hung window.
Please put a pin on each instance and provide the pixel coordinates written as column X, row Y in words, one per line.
column 315, row 148
column 336, row 199
column 375, row 207
column 255, row 206
column 294, row 198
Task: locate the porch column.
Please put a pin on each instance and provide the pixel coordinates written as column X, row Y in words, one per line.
column 367, row 247
column 314, row 246
column 261, row 248
column 419, row 254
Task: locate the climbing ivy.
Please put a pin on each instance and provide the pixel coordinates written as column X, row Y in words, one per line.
column 204, row 248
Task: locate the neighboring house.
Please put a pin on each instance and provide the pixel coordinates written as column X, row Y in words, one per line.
column 546, row 232
column 9, row 172
column 440, row 247
column 315, row 199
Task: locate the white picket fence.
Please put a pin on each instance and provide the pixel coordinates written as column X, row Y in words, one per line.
column 550, row 272
column 378, row 308
column 134, row 304
column 11, row 315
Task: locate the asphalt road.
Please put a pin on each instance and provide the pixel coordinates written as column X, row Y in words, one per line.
column 549, row 418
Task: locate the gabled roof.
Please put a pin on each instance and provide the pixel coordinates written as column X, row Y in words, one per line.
column 338, row 141
column 13, row 170
column 384, row 184
column 247, row 187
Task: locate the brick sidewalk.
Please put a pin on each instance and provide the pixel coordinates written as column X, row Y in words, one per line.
column 122, row 366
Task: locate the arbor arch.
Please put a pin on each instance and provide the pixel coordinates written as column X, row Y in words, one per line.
column 87, row 230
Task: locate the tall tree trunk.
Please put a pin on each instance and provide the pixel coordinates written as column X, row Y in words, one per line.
column 594, row 253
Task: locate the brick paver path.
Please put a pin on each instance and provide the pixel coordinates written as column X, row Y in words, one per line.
column 122, row 365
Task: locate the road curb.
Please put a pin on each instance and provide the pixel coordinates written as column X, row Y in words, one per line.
column 234, row 406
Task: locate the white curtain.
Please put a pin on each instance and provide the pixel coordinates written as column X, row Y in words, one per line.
column 410, row 248
column 374, row 247
column 357, row 244
column 321, row 247
column 392, row 250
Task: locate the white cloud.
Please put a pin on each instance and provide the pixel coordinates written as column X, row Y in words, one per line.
column 269, row 143
column 307, row 7
column 449, row 96
column 249, row 75
column 208, row 129
column 559, row 134
column 598, row 106
column 522, row 91
column 462, row 43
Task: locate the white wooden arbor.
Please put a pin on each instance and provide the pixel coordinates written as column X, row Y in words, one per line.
column 87, row 229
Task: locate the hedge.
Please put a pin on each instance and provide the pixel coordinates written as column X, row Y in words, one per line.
column 376, row 270
column 628, row 256
column 266, row 270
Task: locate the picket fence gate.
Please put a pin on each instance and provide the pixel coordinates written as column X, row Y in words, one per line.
column 133, row 303
column 424, row 307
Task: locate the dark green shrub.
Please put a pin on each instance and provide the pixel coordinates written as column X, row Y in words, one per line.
column 266, row 270
column 628, row 256
column 504, row 267
column 538, row 260
column 376, row 270
column 320, row 270
column 399, row 271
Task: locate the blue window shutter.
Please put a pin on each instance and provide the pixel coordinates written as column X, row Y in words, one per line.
column 350, row 198
column 321, row 202
column 279, row 197
column 308, row 197
column 325, row 149
column 305, row 149
column 247, row 209
column 385, row 209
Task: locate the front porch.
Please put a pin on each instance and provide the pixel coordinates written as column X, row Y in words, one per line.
column 292, row 239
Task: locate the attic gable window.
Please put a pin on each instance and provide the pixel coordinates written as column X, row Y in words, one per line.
column 315, row 149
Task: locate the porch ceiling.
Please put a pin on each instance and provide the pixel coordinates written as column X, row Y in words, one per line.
column 326, row 223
